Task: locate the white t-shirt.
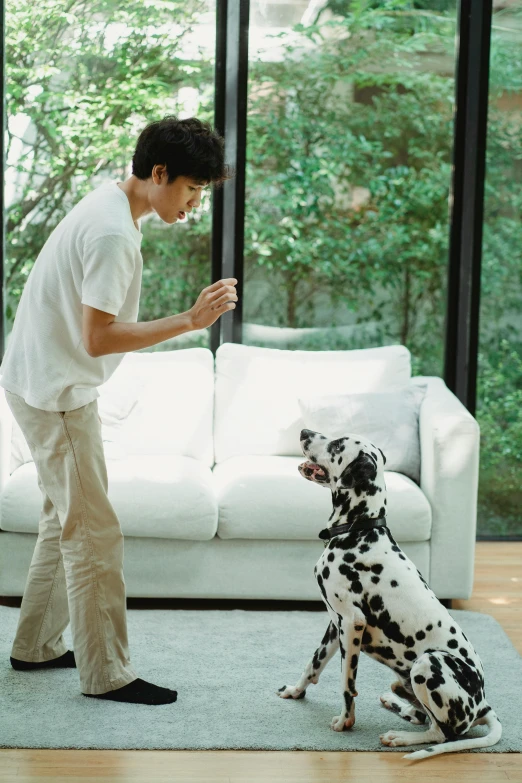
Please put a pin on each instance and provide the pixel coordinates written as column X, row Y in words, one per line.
column 92, row 257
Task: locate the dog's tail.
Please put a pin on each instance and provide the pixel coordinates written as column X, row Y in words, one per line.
column 495, row 733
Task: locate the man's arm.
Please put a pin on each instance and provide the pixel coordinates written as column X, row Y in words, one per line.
column 102, row 334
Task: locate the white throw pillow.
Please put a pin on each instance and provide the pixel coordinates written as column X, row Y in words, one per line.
column 390, row 420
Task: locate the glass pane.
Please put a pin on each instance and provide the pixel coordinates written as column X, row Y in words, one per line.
column 350, row 132
column 82, row 81
column 499, row 391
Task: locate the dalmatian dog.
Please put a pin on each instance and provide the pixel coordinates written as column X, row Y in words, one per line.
column 378, row 602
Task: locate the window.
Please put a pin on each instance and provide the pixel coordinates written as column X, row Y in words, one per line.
column 350, row 132
column 499, row 383
column 82, row 81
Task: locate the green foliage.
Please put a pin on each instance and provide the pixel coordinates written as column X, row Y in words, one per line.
column 370, row 120
column 90, row 74
column 500, row 416
column 349, row 163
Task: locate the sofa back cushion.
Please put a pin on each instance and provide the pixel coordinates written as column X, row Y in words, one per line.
column 160, row 402
column 257, row 391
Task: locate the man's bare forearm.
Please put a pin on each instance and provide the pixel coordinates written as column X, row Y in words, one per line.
column 124, row 337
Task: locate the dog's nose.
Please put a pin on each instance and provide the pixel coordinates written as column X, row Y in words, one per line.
column 307, row 434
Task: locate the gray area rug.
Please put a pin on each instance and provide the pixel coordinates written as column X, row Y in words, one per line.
column 227, row 667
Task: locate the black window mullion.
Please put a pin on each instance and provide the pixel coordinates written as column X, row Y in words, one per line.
column 233, row 218
column 219, row 124
column 467, row 199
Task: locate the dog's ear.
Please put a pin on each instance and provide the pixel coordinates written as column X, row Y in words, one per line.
column 362, row 469
column 383, row 457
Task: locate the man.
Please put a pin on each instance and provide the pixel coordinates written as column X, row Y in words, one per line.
column 76, row 319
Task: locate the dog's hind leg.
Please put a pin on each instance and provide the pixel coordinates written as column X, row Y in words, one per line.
column 403, row 710
column 402, row 692
column 326, row 650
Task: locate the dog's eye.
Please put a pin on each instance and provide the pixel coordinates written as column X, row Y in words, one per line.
column 335, row 446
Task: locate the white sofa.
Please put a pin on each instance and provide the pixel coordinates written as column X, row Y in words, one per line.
column 202, row 459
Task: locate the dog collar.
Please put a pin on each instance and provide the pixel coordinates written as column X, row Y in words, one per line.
column 350, row 527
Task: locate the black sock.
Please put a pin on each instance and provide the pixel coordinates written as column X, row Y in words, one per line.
column 66, row 660
column 139, row 692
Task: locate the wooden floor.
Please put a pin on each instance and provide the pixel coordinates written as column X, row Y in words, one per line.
column 497, row 591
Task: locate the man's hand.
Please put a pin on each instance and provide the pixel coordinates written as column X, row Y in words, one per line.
column 212, row 302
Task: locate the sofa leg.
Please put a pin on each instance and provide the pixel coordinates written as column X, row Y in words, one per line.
column 446, row 602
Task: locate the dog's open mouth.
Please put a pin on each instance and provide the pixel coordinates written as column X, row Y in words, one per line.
column 312, row 471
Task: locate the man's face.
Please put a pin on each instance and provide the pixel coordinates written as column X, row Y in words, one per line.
column 172, row 202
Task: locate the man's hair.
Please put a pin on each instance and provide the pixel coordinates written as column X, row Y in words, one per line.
column 188, row 148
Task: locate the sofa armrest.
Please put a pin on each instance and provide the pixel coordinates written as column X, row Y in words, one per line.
column 450, row 447
column 6, row 430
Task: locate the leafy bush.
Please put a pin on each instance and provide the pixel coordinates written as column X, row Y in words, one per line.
column 348, row 172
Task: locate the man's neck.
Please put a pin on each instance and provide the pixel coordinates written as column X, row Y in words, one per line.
column 137, row 192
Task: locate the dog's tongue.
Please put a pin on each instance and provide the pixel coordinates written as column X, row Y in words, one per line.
column 312, row 469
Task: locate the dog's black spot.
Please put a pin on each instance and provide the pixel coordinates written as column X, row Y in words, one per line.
column 376, row 603
column 394, row 583
column 377, row 568
column 420, row 635
column 372, row 536
column 429, row 627
column 331, row 557
column 375, row 580
column 360, row 474
column 419, row 679
column 321, row 588
column 326, row 572
column 453, row 630
column 385, row 652
column 352, row 575
column 453, row 644
column 328, row 635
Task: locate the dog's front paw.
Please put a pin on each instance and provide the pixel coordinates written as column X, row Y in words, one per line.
column 291, row 692
column 342, row 722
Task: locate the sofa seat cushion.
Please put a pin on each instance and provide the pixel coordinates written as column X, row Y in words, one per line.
column 266, row 497
column 155, row 496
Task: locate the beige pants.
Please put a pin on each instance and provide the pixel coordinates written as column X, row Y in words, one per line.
column 77, row 564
